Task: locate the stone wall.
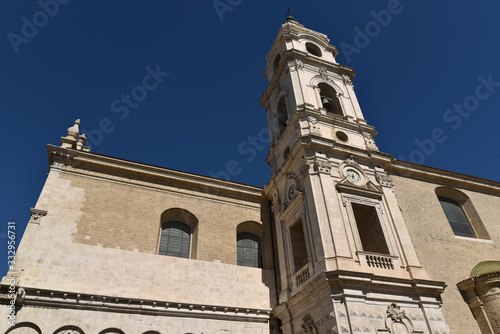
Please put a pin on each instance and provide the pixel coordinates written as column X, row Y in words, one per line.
column 444, row 256
column 100, row 237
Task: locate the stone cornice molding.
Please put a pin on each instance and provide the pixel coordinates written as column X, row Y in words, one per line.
column 444, row 177
column 86, row 161
column 71, row 300
column 350, row 278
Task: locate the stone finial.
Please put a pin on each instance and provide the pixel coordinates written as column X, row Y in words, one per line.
column 74, row 131
column 81, row 141
column 74, row 139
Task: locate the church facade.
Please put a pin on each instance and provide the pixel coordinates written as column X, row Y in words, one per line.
column 342, row 239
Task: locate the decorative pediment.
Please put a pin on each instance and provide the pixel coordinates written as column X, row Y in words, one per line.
column 369, row 189
column 355, row 180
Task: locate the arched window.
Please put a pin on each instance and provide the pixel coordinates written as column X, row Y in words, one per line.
column 282, row 114
column 175, row 239
column 178, row 233
column 249, row 250
column 329, row 99
column 460, row 213
column 456, row 217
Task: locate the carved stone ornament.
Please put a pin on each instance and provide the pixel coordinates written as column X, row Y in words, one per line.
column 397, row 321
column 395, row 313
column 313, row 126
column 291, row 176
column 350, row 161
column 296, row 65
column 369, row 142
column 323, row 166
column 385, row 181
column 20, row 295
column 323, row 73
column 36, row 214
column 298, row 131
column 346, row 79
column 308, row 325
column 309, row 126
column 58, row 165
column 307, row 168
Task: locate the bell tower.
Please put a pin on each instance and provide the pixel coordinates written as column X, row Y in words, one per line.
column 346, row 263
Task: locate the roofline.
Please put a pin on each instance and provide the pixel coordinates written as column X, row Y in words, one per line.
column 427, row 172
column 106, row 165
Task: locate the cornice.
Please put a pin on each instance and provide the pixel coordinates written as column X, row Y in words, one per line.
column 78, row 161
column 444, row 177
column 347, row 278
column 71, row 300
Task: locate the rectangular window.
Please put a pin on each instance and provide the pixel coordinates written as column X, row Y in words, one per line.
column 299, row 251
column 369, row 229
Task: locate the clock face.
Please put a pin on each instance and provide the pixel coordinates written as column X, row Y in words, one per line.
column 353, row 176
column 291, row 192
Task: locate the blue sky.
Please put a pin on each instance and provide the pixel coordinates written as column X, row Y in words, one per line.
column 415, row 67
